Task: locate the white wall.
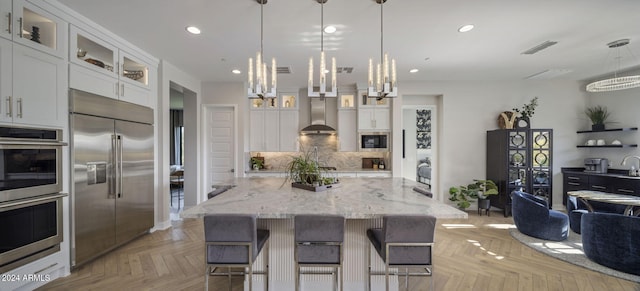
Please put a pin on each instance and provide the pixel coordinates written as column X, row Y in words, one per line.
column 167, row 74
column 470, row 108
column 229, row 94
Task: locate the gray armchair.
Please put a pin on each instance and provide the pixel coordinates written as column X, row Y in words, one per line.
column 533, row 217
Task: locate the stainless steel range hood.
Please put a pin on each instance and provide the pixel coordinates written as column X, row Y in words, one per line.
column 318, row 120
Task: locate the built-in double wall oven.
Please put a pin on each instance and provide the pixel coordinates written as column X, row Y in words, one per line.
column 30, row 198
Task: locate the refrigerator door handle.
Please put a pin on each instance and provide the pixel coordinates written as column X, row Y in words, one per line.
column 113, row 174
column 119, row 165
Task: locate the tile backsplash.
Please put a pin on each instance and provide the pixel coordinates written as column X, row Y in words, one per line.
column 328, row 154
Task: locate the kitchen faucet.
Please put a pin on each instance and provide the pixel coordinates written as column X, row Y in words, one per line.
column 315, row 151
column 633, row 171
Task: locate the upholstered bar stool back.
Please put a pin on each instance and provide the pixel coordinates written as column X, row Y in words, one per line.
column 404, row 241
column 319, row 243
column 233, row 240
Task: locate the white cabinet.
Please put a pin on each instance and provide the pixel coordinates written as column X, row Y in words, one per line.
column 289, row 131
column 33, row 86
column 373, row 119
column 274, row 124
column 32, row 26
column 263, row 131
column 102, row 68
column 347, row 131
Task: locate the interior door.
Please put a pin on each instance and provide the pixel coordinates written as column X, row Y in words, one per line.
column 134, row 206
column 220, row 145
column 93, row 194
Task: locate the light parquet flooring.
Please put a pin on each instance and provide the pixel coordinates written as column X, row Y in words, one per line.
column 473, row 254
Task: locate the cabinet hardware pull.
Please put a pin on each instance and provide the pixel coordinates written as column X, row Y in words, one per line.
column 598, row 187
column 9, row 22
column 20, row 27
column 573, row 178
column 626, row 191
column 573, row 184
column 19, row 103
column 9, row 106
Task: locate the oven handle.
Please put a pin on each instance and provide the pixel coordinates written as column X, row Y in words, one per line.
column 20, row 202
column 32, row 143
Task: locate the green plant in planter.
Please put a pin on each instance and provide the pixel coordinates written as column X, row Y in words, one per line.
column 303, row 169
column 598, row 116
column 464, row 195
column 259, row 163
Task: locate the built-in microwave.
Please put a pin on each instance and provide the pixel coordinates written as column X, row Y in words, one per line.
column 374, row 141
column 30, row 162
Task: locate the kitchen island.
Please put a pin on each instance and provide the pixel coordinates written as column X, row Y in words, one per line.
column 361, row 201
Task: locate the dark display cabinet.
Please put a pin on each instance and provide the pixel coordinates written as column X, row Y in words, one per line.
column 520, row 159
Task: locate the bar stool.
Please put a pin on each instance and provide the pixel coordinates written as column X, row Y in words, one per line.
column 404, row 241
column 233, row 240
column 319, row 243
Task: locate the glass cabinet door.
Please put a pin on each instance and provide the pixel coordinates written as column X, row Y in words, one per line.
column 91, row 52
column 288, row 101
column 541, row 163
column 347, row 101
column 518, row 160
column 37, row 28
column 133, row 71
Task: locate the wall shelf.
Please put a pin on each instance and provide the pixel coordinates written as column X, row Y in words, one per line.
column 609, row 129
column 610, row 146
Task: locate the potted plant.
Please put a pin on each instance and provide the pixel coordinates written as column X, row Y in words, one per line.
column 598, row 116
column 257, row 163
column 479, row 189
column 527, row 111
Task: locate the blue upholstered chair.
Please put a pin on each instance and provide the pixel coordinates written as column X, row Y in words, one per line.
column 612, row 240
column 233, row 240
column 576, row 208
column 319, row 243
column 533, row 217
column 404, row 241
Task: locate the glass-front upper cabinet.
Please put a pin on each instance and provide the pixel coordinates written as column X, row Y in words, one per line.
column 268, row 103
column 133, row 71
column 34, row 27
column 288, row 101
column 92, row 52
column 365, row 101
column 347, row 101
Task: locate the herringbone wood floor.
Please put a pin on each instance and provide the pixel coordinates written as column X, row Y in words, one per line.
column 473, row 254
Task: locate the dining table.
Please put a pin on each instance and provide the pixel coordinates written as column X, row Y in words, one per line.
column 630, row 201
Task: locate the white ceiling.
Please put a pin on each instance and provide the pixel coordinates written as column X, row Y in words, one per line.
column 414, row 30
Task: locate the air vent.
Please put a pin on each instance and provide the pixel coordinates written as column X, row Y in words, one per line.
column 539, row 47
column 548, row 74
column 283, row 70
column 345, row 70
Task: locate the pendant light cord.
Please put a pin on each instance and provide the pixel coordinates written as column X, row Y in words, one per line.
column 322, row 25
column 381, row 33
column 261, row 26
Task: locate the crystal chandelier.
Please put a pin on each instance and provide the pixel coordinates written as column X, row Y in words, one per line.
column 322, row 90
column 615, row 83
column 385, row 84
column 259, row 88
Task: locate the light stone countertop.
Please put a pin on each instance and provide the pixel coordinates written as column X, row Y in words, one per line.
column 355, row 198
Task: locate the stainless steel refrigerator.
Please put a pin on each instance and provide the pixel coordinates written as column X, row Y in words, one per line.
column 112, row 159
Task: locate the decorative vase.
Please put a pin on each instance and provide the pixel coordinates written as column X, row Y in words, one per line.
column 523, row 122
column 597, row 127
column 35, row 34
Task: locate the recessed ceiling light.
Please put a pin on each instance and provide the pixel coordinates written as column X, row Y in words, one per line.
column 193, row 29
column 236, row 71
column 466, row 28
column 330, row 29
column 413, row 71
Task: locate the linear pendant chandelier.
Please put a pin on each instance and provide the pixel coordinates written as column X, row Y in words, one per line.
column 385, row 84
column 259, row 89
column 322, row 88
column 615, row 83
